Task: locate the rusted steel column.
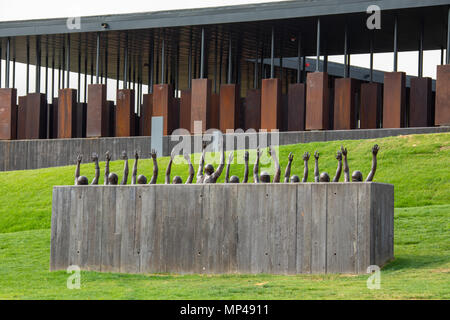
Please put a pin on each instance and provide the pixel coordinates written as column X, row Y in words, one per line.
column 54, row 118
column 162, row 105
column 229, row 106
column 8, row 114
column 394, row 100
column 67, row 106
column 371, row 98
column 80, row 122
column 201, row 103
column 146, row 115
column 97, row 112
column 185, row 109
column 317, row 101
column 125, row 122
column 296, row 106
column 214, row 115
column 442, row 112
column 420, row 103
column 112, row 118
column 271, row 104
column 21, row 117
column 253, row 109
column 36, row 116
column 175, row 114
column 344, row 104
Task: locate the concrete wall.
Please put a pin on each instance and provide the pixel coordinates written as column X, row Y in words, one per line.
column 35, row 154
column 223, row 228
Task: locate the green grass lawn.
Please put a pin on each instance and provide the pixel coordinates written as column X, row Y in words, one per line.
column 418, row 166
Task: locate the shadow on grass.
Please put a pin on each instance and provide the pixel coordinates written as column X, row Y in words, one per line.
column 408, row 262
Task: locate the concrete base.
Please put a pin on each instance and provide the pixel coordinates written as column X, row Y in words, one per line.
column 247, row 228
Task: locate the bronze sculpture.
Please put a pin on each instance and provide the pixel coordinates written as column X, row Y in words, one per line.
column 83, row 180
column 209, row 176
column 235, row 179
column 125, row 168
column 339, row 168
column 108, row 159
column 357, row 175
column 97, row 169
column 141, row 179
column 177, row 179
column 322, row 177
column 265, row 176
column 287, row 173
column 155, row 168
column 306, row 156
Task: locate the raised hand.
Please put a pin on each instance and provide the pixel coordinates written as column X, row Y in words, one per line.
column 230, row 157
column 187, row 157
column 291, row 157
column 172, row 154
column 316, row 155
column 375, row 149
column 136, row 154
column 124, row 155
column 344, row 151
column 108, row 156
column 306, row 156
column 246, row 156
column 153, row 154
column 339, row 155
column 94, row 156
column 204, row 144
column 79, row 158
column 258, row 153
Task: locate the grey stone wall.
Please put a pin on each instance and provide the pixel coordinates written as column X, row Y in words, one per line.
column 35, row 154
column 223, row 228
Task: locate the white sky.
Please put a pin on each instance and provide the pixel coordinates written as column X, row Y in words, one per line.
column 41, row 9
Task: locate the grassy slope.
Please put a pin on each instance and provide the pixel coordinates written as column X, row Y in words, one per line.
column 417, row 165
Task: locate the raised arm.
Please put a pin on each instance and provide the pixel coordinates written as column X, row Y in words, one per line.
column 77, row 170
column 256, row 167
column 219, row 170
column 134, row 173
column 227, row 174
column 201, row 164
column 375, row 150
column 97, row 169
column 339, row 167
column 108, row 158
column 306, row 156
column 276, row 177
column 246, row 157
column 125, row 169
column 316, row 167
column 346, row 168
column 191, row 169
column 169, row 167
column 287, row 173
column 155, row 168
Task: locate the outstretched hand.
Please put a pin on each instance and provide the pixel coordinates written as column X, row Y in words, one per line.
column 259, row 153
column 339, row 155
column 94, row 156
column 306, row 156
column 124, row 155
column 187, row 157
column 153, row 154
column 246, row 156
column 344, row 151
column 290, row 157
column 108, row 156
column 204, row 144
column 79, row 157
column 172, row 154
column 136, row 154
column 375, row 149
column 316, row 155
column 230, row 157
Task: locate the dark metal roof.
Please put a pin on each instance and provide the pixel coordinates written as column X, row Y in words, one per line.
column 205, row 16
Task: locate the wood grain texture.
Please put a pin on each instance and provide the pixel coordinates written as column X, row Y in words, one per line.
column 223, row 228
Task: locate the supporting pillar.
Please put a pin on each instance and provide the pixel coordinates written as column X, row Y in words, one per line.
column 394, row 100
column 97, row 112
column 253, row 109
column 112, row 118
column 229, row 106
column 296, row 106
column 21, row 118
column 344, row 104
column 185, row 109
column 214, row 115
column 80, row 120
column 146, row 115
column 125, row 121
column 162, row 105
column 371, row 99
column 67, row 116
column 8, row 114
column 201, row 103
column 317, row 101
column 54, row 118
column 442, row 112
column 36, row 116
column 271, row 104
column 420, row 103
